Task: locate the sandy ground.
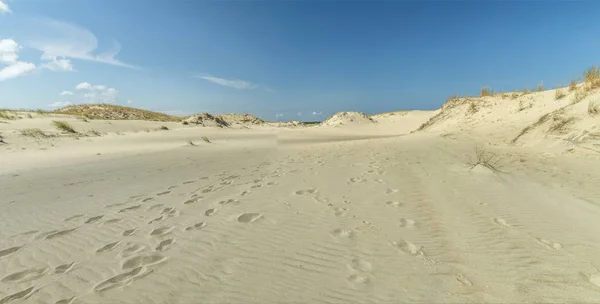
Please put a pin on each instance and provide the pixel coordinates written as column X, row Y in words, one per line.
column 357, row 214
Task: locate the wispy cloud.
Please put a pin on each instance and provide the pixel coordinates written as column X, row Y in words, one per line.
column 4, row 8
column 129, row 101
column 314, row 113
column 232, row 83
column 60, row 104
column 60, row 41
column 63, row 93
column 62, row 64
column 9, row 57
column 97, row 93
column 279, row 115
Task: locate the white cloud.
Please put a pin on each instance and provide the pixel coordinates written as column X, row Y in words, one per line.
column 97, row 93
column 9, row 56
column 61, row 39
column 317, row 113
column 278, row 115
column 4, row 8
column 59, row 65
column 63, row 93
column 60, row 104
column 129, row 101
column 232, row 83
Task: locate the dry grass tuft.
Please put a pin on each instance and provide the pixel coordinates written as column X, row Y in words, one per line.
column 191, row 143
column 204, row 138
column 164, row 128
column 540, row 87
column 572, row 85
column 94, row 132
column 591, row 78
column 558, row 94
column 5, row 115
column 185, row 123
column 593, row 109
column 35, row 133
column 579, row 96
column 64, row 126
column 486, row 159
column 485, row 91
column 560, row 124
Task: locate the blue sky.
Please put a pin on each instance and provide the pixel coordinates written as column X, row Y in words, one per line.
column 276, row 59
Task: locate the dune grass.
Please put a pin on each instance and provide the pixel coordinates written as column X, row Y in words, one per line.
column 593, row 108
column 35, row 133
column 64, row 126
column 558, row 94
column 486, row 159
column 485, row 91
column 204, row 138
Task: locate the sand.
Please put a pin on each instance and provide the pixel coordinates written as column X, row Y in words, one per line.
column 350, row 214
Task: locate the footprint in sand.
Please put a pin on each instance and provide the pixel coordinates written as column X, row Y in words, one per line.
column 461, row 279
column 246, row 192
column 391, row 191
column 249, row 217
column 122, row 279
column 229, row 201
column 163, row 193
column 56, row 234
column 549, row 244
column 165, row 244
column 18, row 295
column 500, row 222
column 25, row 275
column 115, row 205
column 188, row 182
column 355, row 180
column 64, row 268
column 408, row 223
column 113, row 221
column 197, row 226
column 8, row 251
column 65, row 301
column 156, row 220
column 94, row 219
column 408, row 248
column 172, row 187
column 133, row 249
column 193, row 200
column 130, row 208
column 305, row 192
column 154, row 207
column 108, row 247
column 143, row 260
column 73, row 217
column 210, row 212
column 340, row 211
column 343, row 233
column 360, row 265
column 147, row 199
column 393, row 203
column 161, row 231
column 129, row 232
column 358, row 279
column 170, row 212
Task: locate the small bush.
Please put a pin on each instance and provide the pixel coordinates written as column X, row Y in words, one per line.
column 185, row 123
column 35, row 133
column 64, row 126
column 593, row 108
column 485, row 159
column 558, row 94
column 485, row 91
column 164, row 128
column 204, row 138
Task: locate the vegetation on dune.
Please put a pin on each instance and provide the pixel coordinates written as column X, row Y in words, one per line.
column 35, row 133
column 115, row 112
column 64, row 126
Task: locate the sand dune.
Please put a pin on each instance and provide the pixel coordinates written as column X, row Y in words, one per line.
column 366, row 213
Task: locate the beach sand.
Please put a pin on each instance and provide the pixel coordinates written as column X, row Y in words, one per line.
column 356, row 213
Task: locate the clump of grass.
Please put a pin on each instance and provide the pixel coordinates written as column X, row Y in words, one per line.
column 593, row 108
column 4, row 115
column 94, row 132
column 592, row 77
column 524, row 106
column 35, row 133
column 485, row 91
column 558, row 94
column 191, row 143
column 185, row 123
column 64, row 126
column 540, row 121
column 560, row 124
column 572, row 85
column 472, row 107
column 514, row 95
column 204, row 138
column 579, row 96
column 486, row 159
column 2, row 139
column 540, row 87
column 164, row 128
column 526, row 91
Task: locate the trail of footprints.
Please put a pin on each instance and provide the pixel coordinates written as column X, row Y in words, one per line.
column 136, row 264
